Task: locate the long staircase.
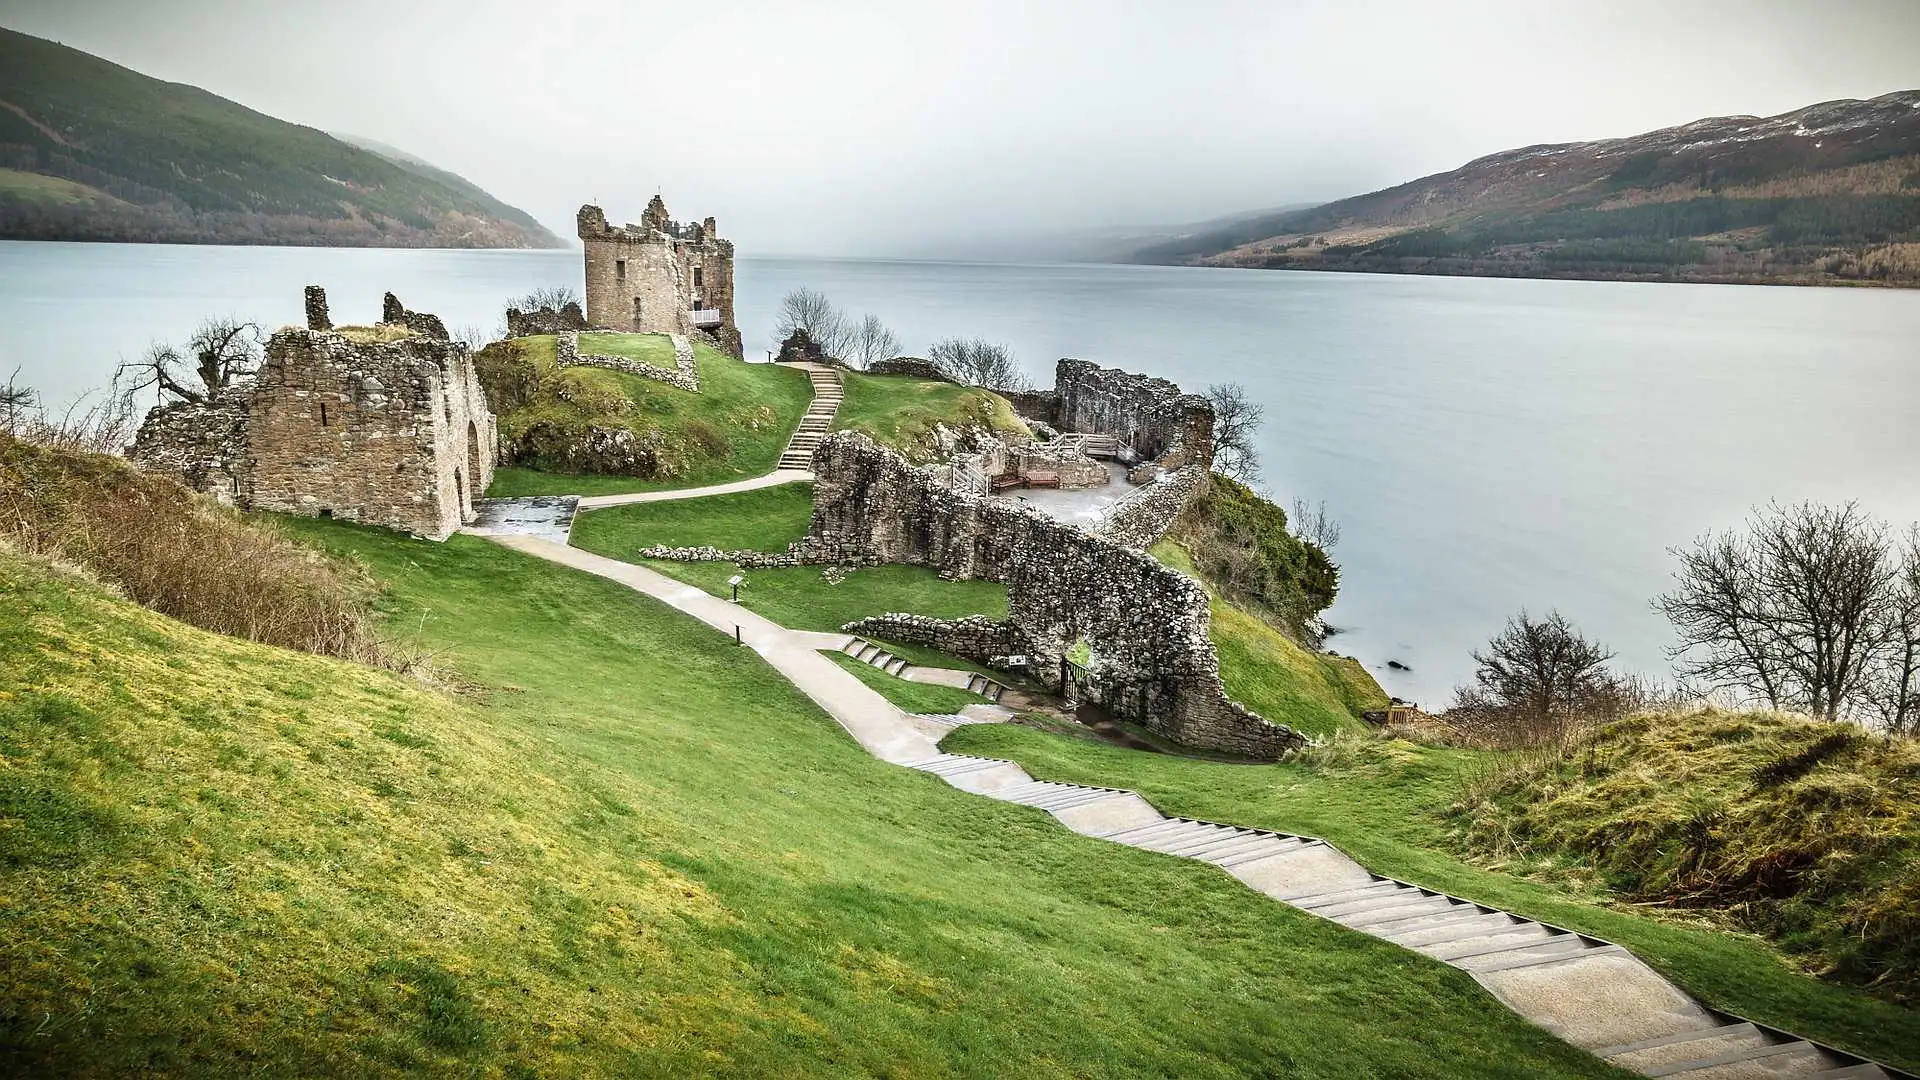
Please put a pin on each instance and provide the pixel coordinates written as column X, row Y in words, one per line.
column 818, row 419
column 1590, row 992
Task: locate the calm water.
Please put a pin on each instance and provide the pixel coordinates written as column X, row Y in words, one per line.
column 1486, row 445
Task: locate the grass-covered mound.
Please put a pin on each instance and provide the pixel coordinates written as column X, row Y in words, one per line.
column 1271, row 673
column 587, row 430
column 182, row 554
column 1804, row 831
column 901, row 412
column 1389, row 804
column 1241, row 546
column 630, row 850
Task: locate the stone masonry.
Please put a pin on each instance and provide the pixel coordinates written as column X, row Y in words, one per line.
column 685, row 374
column 1145, row 625
column 1161, row 428
column 340, row 423
column 652, row 277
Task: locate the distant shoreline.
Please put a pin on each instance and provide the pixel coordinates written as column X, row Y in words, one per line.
column 1799, row 281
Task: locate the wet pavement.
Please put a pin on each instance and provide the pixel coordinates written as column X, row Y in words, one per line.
column 549, row 517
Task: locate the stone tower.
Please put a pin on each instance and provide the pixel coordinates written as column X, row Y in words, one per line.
column 659, row 276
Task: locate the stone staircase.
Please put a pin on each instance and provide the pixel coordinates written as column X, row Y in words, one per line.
column 818, row 419
column 1590, row 992
column 869, row 653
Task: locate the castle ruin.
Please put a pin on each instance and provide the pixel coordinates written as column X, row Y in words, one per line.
column 386, row 425
column 659, row 277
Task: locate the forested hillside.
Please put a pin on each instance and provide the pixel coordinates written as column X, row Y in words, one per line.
column 90, row 150
column 1822, row 195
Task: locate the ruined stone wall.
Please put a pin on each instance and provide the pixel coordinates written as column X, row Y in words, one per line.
column 684, row 374
column 394, row 433
column 909, row 365
column 1147, row 625
column 975, row 637
column 642, row 278
column 1144, row 516
column 544, row 321
column 1154, row 419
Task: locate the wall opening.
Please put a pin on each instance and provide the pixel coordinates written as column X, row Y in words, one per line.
column 460, row 492
column 620, row 270
column 696, row 277
column 636, row 310
column 323, row 414
column 475, row 464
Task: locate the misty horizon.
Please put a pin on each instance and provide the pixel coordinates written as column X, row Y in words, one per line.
column 867, row 131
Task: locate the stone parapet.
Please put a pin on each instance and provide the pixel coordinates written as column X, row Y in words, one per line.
column 685, row 373
column 1144, row 516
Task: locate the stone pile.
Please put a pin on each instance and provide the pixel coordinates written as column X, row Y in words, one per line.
column 545, row 320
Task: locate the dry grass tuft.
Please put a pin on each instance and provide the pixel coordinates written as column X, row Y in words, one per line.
column 184, row 555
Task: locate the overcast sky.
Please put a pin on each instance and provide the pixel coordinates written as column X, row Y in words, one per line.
column 889, row 128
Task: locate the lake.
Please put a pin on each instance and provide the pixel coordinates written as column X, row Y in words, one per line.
column 1486, row 445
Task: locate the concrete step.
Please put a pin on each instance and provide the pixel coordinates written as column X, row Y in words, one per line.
column 1564, row 947
column 1192, row 832
column 1132, row 835
column 1785, row 1059
column 1284, row 845
column 1394, row 928
column 1313, row 901
column 1408, row 907
column 1457, row 927
column 954, row 764
column 1254, row 841
column 1505, row 937
column 1200, row 846
column 1866, row 1070
column 1382, row 900
column 1685, row 1046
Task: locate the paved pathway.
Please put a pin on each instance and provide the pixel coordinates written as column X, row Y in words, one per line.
column 772, row 479
column 1593, row 994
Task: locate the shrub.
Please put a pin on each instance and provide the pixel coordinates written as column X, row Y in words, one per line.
column 1241, row 545
column 183, row 555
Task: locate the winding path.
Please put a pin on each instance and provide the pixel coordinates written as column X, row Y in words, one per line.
column 1592, row 993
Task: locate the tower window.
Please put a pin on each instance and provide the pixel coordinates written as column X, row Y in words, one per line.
column 620, row 270
column 696, row 277
column 636, row 309
column 323, row 414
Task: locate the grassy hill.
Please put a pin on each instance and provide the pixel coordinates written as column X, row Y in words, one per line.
column 901, row 412
column 90, row 150
column 626, row 847
column 1822, row 195
column 593, row 431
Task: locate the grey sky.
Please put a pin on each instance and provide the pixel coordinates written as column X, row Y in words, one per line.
column 879, row 128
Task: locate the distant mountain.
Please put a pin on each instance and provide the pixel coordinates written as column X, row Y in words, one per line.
column 90, row 150
column 1827, row 194
column 1107, row 243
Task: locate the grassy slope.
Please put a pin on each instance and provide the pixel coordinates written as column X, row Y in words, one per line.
column 900, row 411
column 632, row 851
column 154, row 141
column 1386, row 807
column 797, row 597
column 753, row 409
column 655, row 349
column 1274, row 676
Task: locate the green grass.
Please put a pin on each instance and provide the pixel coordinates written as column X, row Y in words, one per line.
column 1385, row 803
column 767, row 519
column 901, row 412
column 35, row 187
column 655, row 349
column 800, row 598
column 912, row 697
column 628, row 848
column 733, row 429
column 1275, row 676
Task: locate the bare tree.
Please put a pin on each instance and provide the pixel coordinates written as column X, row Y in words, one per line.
column 810, row 310
column 1535, row 681
column 1896, row 685
column 1314, row 525
column 1236, row 419
column 868, row 341
column 222, row 351
column 1795, row 611
column 545, row 298
column 978, row 362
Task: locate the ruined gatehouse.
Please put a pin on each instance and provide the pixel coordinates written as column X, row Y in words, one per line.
column 658, row 276
column 385, row 425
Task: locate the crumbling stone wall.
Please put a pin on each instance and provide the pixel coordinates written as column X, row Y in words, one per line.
column 650, row 277
column 545, row 321
column 1144, row 516
column 1154, row 419
column 394, row 433
column 685, row 373
column 1147, row 625
column 909, row 365
column 974, row 636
